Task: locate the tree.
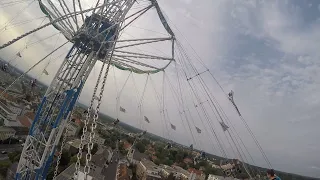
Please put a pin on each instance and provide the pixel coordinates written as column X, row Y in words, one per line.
column 4, row 165
column 65, row 158
column 243, row 176
column 50, row 173
column 168, row 162
column 130, row 139
column 173, row 153
column 157, row 161
column 14, row 156
column 141, row 147
column 95, row 148
column 183, row 165
column 74, row 160
column 145, row 142
column 179, row 157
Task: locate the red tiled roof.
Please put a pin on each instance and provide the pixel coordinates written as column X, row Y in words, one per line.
column 7, row 96
column 30, row 115
column 187, row 160
column 24, row 121
column 126, row 145
column 197, row 172
column 123, row 172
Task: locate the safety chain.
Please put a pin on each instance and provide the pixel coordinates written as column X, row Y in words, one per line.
column 86, row 122
column 62, row 146
column 94, row 123
column 96, row 114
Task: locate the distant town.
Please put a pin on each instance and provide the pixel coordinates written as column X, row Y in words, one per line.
column 120, row 152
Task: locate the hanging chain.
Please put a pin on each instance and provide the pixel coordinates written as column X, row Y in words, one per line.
column 96, row 110
column 86, row 121
column 94, row 122
column 95, row 118
column 62, row 146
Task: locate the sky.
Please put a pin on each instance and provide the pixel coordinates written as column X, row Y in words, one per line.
column 265, row 51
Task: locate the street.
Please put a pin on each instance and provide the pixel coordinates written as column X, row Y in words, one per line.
column 111, row 171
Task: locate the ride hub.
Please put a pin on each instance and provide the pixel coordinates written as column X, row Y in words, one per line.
column 96, row 34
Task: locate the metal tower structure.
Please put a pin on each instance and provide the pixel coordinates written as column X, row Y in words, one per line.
column 93, row 41
column 94, row 37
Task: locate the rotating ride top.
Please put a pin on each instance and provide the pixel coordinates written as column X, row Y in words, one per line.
column 95, row 40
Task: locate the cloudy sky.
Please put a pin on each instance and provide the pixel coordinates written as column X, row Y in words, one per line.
column 265, row 51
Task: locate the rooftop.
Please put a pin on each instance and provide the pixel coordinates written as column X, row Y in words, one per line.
column 167, row 168
column 195, row 171
column 100, row 157
column 139, row 156
column 181, row 170
column 6, row 95
column 71, row 123
column 149, row 165
column 69, row 172
column 75, row 143
column 223, row 178
column 21, row 130
column 6, row 129
column 4, row 107
column 25, row 121
column 123, row 172
column 30, row 115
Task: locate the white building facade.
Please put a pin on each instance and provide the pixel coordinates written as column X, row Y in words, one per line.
column 6, row 133
column 7, row 117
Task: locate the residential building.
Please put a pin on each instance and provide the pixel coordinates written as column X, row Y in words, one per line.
column 21, row 132
column 188, row 160
column 123, row 172
column 15, row 108
column 15, row 93
column 73, row 129
column 107, row 154
column 31, row 115
column 6, row 132
column 7, row 116
column 130, row 156
column 97, row 139
column 196, row 174
column 214, row 177
column 11, row 172
column 73, row 145
column 6, row 95
column 166, row 171
column 24, row 121
column 147, row 170
column 134, row 156
column 181, row 173
column 69, row 173
column 126, row 145
column 99, row 161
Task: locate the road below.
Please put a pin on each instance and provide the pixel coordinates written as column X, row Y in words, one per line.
column 111, row 171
